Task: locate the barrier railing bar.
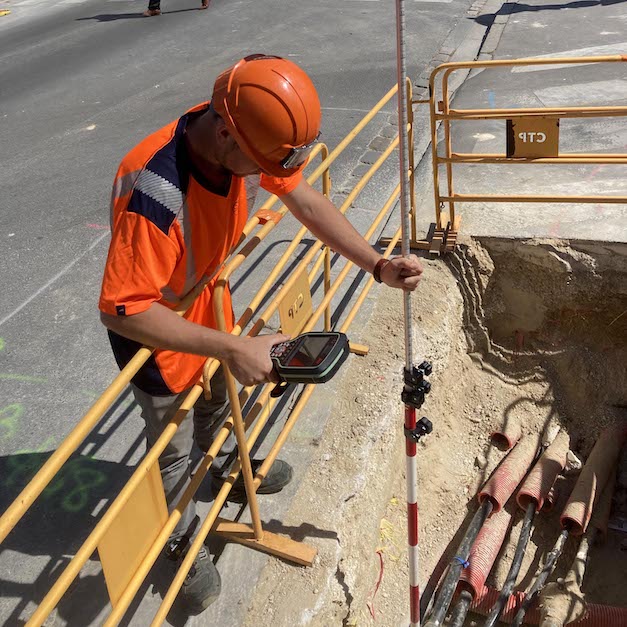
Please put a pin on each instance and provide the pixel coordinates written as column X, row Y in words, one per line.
column 613, row 58
column 502, row 114
column 273, row 306
column 271, row 456
column 566, row 159
column 449, row 149
column 89, row 546
column 410, row 155
column 567, row 199
column 203, row 532
column 261, row 409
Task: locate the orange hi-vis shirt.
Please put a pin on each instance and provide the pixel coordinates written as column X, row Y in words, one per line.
column 170, row 228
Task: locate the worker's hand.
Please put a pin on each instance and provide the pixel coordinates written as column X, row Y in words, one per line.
column 402, row 272
column 249, row 360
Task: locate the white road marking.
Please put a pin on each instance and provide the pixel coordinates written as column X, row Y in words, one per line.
column 483, row 137
column 56, row 277
column 584, row 94
column 619, row 48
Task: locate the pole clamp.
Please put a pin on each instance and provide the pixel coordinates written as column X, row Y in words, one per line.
column 423, row 427
column 416, row 387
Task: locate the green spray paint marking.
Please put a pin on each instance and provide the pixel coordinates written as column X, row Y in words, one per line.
column 23, row 377
column 1, row 344
column 73, row 482
column 9, row 418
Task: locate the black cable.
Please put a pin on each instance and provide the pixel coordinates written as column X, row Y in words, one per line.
column 447, row 589
column 460, row 610
column 514, row 569
column 552, row 558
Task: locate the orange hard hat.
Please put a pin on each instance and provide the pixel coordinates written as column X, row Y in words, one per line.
column 271, row 108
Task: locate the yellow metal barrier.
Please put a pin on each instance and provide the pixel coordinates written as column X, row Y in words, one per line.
column 127, row 561
column 542, row 122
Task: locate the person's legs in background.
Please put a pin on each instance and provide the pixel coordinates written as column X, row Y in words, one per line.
column 154, row 8
column 209, row 416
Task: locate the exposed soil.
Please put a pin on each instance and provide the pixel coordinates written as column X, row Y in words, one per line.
column 528, row 332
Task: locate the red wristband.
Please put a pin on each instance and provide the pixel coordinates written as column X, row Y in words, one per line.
column 376, row 273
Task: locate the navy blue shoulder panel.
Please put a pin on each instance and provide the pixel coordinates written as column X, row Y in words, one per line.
column 148, row 378
column 160, row 187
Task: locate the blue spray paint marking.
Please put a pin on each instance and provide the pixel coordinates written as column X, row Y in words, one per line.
column 492, row 100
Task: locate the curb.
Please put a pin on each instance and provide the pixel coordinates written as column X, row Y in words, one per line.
column 464, row 42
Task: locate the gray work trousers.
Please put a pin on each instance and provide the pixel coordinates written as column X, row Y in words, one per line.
column 200, row 425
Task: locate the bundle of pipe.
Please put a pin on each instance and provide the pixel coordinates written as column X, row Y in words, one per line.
column 530, row 498
column 593, row 477
column 492, row 497
column 576, row 515
column 597, row 616
column 563, row 602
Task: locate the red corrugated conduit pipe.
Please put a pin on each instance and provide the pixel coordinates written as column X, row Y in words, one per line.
column 507, row 436
column 493, row 496
column 482, row 556
column 531, row 498
column 597, row 616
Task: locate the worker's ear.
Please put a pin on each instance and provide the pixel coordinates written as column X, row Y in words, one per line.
column 223, row 137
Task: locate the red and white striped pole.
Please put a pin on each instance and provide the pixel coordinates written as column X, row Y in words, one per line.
column 415, row 387
column 410, row 412
column 412, row 519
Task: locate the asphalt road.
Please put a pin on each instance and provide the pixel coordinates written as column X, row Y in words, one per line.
column 80, row 84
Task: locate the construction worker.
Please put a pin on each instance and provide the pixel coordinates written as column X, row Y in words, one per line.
column 180, row 202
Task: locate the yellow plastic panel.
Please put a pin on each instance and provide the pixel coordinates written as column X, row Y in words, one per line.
column 132, row 533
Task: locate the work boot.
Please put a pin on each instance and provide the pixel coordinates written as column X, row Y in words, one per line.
column 151, row 12
column 202, row 584
column 279, row 475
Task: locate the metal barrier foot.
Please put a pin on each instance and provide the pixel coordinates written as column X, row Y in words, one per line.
column 271, row 543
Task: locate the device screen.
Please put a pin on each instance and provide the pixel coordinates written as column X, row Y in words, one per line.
column 312, row 352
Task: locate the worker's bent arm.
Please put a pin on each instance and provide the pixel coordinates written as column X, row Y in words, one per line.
column 323, row 219
column 328, row 224
column 159, row 327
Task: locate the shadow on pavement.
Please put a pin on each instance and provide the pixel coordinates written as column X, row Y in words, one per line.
column 509, row 8
column 112, row 17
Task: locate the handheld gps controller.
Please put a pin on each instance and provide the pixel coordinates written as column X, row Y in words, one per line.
column 313, row 357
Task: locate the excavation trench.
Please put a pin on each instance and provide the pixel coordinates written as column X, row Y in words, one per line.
column 521, row 334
